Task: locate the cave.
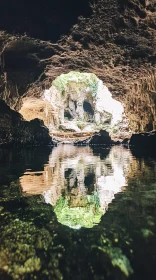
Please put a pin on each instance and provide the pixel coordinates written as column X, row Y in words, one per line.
column 84, row 104
column 77, row 139
column 77, row 102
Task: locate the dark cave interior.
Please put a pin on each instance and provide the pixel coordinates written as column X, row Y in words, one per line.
column 67, row 114
column 46, row 20
column 88, row 110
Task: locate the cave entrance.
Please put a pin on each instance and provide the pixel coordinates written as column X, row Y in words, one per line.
column 84, row 104
column 88, row 111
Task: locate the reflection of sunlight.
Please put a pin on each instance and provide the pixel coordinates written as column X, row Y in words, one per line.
column 78, row 184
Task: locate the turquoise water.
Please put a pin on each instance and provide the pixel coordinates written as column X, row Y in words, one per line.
column 77, row 213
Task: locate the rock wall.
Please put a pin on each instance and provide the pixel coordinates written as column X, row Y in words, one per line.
column 117, row 43
column 14, row 131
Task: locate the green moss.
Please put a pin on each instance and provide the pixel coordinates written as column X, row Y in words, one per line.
column 83, row 80
column 146, row 232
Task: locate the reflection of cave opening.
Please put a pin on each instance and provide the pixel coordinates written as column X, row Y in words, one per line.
column 89, row 112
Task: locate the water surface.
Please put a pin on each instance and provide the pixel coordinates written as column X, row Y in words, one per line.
column 77, row 213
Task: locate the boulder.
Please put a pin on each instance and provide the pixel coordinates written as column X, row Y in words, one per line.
column 101, row 138
column 144, row 140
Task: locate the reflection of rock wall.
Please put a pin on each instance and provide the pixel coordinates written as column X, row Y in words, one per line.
column 114, row 178
column 35, row 182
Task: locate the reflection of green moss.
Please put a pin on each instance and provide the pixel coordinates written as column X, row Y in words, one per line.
column 17, row 253
column 21, row 244
column 146, row 232
column 81, row 79
column 77, row 217
column 22, row 241
column 120, row 260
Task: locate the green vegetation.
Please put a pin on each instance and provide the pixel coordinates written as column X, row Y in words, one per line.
column 83, row 80
column 77, row 217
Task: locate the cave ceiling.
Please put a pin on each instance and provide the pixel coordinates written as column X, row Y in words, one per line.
column 45, row 20
column 115, row 40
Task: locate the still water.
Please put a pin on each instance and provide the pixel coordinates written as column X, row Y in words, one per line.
column 77, row 213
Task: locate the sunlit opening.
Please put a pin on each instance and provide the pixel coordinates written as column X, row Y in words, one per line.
column 83, row 103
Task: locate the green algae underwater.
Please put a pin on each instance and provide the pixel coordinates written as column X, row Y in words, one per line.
column 37, row 242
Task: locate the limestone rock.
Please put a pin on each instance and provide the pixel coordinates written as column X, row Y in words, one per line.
column 69, row 126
